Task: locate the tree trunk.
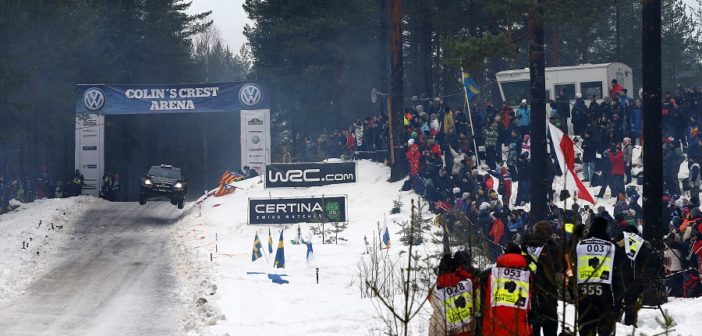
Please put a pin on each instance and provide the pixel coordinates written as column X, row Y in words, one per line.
column 654, row 227
column 399, row 167
column 426, row 47
column 539, row 159
column 584, row 51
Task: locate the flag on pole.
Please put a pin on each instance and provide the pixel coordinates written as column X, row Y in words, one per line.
column 565, row 154
column 386, row 238
column 224, row 187
column 256, row 253
column 279, row 261
column 471, row 89
column 270, row 242
column 310, row 252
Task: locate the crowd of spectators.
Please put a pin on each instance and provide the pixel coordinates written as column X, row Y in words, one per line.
column 28, row 189
column 441, row 148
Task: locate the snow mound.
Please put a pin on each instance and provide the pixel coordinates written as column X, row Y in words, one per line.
column 29, row 235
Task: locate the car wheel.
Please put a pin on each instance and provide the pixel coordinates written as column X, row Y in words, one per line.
column 181, row 204
column 142, row 199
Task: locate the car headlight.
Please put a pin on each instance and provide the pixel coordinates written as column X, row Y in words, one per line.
column 178, row 185
column 147, row 182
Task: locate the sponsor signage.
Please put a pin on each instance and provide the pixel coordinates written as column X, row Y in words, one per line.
column 280, row 175
column 297, row 210
column 170, row 98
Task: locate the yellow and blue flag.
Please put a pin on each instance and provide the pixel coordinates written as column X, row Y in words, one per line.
column 279, row 261
column 270, row 242
column 256, row 253
column 386, row 237
column 469, row 85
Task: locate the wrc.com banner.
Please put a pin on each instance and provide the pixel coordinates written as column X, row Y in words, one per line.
column 297, row 210
column 280, row 175
column 170, row 98
column 256, row 139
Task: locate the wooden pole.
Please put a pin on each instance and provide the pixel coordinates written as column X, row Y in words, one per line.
column 654, row 228
column 537, row 81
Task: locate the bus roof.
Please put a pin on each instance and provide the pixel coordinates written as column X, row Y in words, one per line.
column 560, row 68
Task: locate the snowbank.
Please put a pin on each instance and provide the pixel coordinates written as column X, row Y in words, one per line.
column 28, row 239
column 246, row 299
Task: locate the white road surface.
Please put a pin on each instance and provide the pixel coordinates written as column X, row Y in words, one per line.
column 114, row 277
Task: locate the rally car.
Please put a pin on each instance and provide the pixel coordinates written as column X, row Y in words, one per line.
column 163, row 181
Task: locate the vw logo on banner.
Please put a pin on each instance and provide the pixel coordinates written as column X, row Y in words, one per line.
column 93, row 99
column 255, row 139
column 250, row 94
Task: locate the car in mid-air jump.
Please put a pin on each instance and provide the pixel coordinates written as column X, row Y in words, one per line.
column 163, row 181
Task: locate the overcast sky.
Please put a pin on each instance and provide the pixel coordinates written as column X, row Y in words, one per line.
column 230, row 18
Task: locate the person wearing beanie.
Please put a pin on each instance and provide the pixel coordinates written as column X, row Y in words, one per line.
column 579, row 114
column 456, row 282
column 508, row 299
column 632, row 252
column 545, row 258
column 523, row 117
column 413, row 156
column 595, row 261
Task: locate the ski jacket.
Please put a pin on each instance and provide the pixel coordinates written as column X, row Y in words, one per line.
column 454, row 302
column 617, row 160
column 502, row 314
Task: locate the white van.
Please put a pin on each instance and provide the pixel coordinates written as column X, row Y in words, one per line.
column 588, row 79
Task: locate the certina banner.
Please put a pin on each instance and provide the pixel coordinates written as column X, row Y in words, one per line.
column 171, row 98
column 297, row 210
column 280, row 175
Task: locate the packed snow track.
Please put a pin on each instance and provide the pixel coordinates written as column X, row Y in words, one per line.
column 114, row 277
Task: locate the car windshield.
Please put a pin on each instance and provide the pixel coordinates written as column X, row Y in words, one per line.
column 171, row 173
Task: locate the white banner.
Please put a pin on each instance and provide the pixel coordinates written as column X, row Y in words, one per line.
column 256, row 139
column 90, row 151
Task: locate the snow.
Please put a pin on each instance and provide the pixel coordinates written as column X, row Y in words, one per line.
column 225, row 293
column 250, row 302
column 18, row 266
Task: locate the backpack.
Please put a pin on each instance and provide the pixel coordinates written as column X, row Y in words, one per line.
column 501, row 187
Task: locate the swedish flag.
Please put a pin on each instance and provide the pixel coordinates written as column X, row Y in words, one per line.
column 256, row 253
column 270, row 242
column 279, row 261
column 469, row 85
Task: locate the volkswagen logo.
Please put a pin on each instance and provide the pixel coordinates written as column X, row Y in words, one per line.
column 255, row 139
column 93, row 99
column 250, row 94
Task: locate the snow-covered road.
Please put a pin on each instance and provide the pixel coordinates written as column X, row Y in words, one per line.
column 114, row 276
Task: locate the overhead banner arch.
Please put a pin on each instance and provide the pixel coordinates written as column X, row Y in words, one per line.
column 251, row 99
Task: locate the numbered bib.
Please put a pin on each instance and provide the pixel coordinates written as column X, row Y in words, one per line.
column 510, row 287
column 458, row 304
column 632, row 244
column 595, row 261
column 534, row 252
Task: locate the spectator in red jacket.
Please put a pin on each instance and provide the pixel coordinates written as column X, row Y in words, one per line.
column 616, row 88
column 616, row 158
column 496, row 232
column 508, row 296
column 413, row 156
